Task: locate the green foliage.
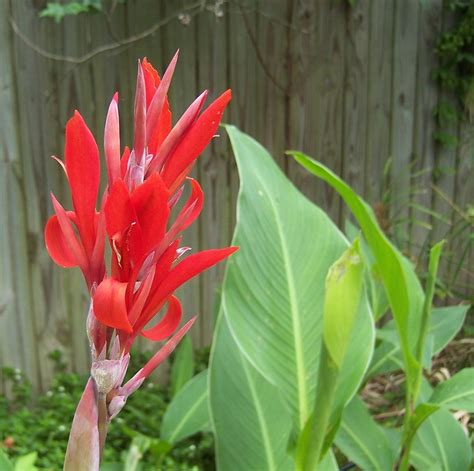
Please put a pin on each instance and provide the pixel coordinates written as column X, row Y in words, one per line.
column 457, row 392
column 58, row 10
column 455, row 73
column 412, row 311
column 455, row 51
column 249, row 418
column 22, row 463
column 43, row 426
column 358, row 433
column 188, row 412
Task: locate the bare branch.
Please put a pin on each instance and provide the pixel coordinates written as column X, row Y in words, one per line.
column 106, row 47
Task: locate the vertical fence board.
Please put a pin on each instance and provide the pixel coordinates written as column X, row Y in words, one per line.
column 403, row 105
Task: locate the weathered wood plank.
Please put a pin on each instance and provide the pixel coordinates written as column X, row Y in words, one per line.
column 356, row 95
column 405, row 59
column 379, row 84
column 424, row 130
column 325, row 93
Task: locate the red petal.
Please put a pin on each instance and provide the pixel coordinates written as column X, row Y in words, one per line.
column 162, row 269
column 70, row 238
column 192, row 266
column 152, row 80
column 168, row 324
column 97, row 261
column 196, row 140
column 161, row 130
column 83, row 170
column 112, row 142
column 158, row 123
column 190, row 211
column 119, row 213
column 150, row 202
column 140, row 297
column 177, row 133
column 140, row 117
column 124, row 161
column 184, row 271
column 56, row 244
column 110, row 305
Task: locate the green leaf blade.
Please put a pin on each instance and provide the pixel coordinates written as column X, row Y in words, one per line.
column 251, row 424
column 274, row 289
column 457, row 392
column 362, row 440
column 187, row 413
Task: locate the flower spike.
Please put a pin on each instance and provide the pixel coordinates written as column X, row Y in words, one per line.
column 147, row 264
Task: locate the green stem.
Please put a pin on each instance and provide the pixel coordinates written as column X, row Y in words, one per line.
column 413, row 392
column 103, row 424
column 404, row 462
column 312, row 438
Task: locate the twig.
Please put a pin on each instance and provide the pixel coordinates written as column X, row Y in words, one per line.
column 258, row 52
column 101, row 49
column 387, row 415
column 453, row 205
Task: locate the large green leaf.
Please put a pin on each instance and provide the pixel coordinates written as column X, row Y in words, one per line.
column 457, row 392
column 274, row 290
column 445, row 324
column 250, row 422
column 401, row 283
column 187, row 413
column 362, row 440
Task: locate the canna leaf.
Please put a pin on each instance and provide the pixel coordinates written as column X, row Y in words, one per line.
column 273, row 294
column 188, row 412
column 440, row 442
column 444, row 325
column 250, row 421
column 457, row 392
column 362, row 440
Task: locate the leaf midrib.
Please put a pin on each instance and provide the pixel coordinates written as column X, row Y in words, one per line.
column 295, row 319
column 261, row 420
column 363, row 448
column 450, row 399
column 188, row 414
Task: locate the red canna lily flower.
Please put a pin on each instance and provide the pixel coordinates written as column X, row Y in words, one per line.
column 147, row 263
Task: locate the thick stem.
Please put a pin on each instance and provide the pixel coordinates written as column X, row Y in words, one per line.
column 103, row 421
column 404, row 462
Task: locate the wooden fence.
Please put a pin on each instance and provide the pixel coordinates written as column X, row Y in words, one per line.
column 349, row 85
